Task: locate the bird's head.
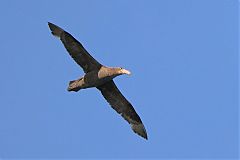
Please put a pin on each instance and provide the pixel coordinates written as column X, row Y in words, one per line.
column 120, row 71
column 112, row 72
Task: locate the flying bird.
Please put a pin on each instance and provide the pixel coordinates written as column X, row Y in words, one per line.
column 101, row 77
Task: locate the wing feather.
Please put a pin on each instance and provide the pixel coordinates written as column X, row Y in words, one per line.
column 75, row 49
column 120, row 104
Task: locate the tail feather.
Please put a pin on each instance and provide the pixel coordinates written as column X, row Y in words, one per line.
column 56, row 31
column 75, row 85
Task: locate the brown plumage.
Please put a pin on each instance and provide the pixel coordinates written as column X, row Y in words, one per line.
column 101, row 77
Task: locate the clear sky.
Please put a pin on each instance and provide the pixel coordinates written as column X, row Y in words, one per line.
column 183, row 56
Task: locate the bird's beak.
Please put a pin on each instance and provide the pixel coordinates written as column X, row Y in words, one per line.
column 124, row 71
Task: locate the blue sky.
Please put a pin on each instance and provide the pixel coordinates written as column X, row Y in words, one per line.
column 183, row 56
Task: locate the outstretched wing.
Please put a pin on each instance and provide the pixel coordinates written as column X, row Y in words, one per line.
column 120, row 104
column 75, row 49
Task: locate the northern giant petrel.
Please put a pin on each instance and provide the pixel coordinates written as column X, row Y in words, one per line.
column 101, row 77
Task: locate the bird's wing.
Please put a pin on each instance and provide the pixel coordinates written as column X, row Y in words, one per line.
column 120, row 104
column 75, row 49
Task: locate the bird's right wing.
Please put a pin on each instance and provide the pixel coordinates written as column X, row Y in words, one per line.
column 75, row 49
column 120, row 104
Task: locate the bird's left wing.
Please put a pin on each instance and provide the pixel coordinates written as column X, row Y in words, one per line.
column 120, row 104
column 75, row 49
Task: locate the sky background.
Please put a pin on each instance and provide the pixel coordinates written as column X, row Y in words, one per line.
column 183, row 56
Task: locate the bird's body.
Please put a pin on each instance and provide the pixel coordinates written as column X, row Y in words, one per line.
column 101, row 77
column 96, row 78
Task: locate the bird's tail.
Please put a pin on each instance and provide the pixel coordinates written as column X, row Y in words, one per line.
column 75, row 85
column 56, row 31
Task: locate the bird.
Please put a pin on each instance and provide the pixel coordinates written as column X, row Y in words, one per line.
column 100, row 77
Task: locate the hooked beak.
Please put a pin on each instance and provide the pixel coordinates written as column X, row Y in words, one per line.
column 124, row 71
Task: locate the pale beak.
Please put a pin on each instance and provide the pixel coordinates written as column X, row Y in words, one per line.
column 124, row 71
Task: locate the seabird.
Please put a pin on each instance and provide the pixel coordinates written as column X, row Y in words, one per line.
column 101, row 77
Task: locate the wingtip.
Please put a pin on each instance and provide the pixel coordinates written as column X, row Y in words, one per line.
column 140, row 130
column 50, row 24
column 56, row 31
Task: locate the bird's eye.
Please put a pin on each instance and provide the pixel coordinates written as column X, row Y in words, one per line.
column 121, row 68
